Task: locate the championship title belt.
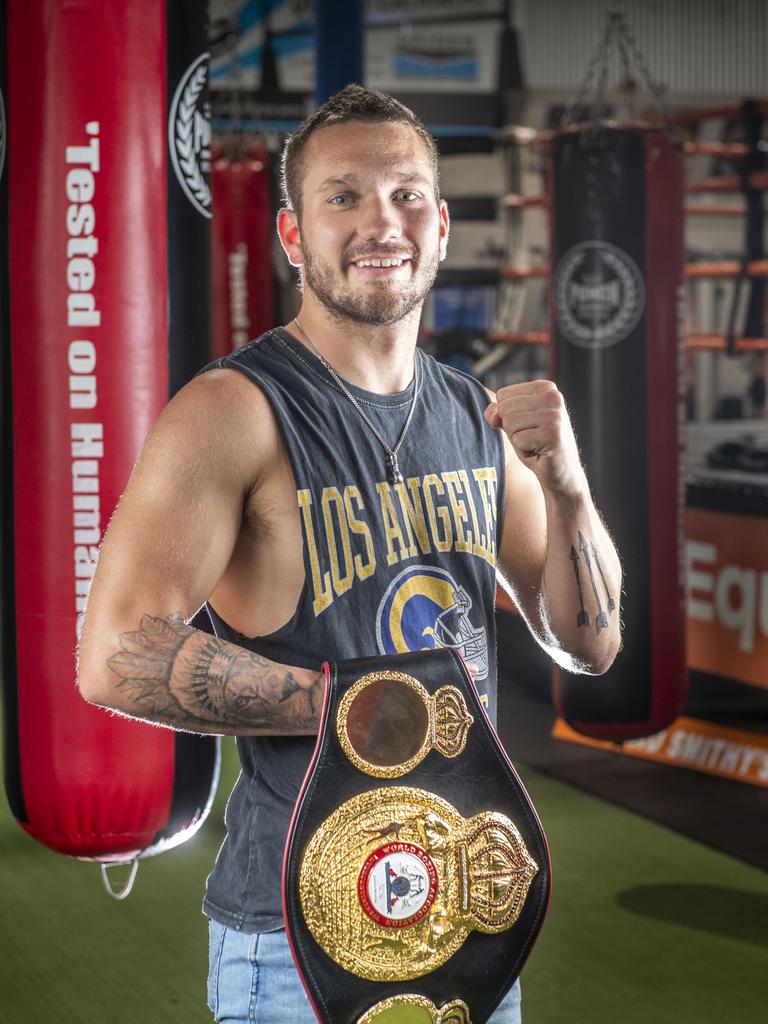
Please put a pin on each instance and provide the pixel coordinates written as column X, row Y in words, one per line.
column 416, row 873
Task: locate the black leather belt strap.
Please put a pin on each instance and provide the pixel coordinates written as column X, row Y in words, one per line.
column 416, row 867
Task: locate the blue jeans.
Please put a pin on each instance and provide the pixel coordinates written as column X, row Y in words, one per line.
column 252, row 980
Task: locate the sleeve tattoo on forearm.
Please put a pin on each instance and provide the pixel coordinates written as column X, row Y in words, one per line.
column 587, row 555
column 181, row 675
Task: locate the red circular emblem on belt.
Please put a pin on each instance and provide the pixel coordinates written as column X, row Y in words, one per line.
column 397, row 885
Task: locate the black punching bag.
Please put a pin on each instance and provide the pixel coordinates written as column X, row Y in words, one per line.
column 617, row 256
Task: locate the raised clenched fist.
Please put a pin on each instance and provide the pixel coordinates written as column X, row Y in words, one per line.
column 534, row 418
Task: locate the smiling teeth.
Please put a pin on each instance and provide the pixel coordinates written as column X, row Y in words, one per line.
column 379, row 263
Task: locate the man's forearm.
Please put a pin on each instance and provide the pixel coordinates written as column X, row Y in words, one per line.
column 581, row 586
column 169, row 673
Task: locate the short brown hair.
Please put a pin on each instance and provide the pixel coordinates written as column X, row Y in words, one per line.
column 353, row 103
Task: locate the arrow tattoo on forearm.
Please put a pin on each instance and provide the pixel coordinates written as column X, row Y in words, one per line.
column 602, row 619
column 582, row 619
column 611, row 602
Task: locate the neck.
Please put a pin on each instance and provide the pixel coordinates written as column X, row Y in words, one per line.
column 377, row 359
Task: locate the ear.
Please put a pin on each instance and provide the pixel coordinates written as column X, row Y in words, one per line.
column 445, row 228
column 290, row 236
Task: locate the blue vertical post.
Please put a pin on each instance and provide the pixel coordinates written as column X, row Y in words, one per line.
column 339, row 46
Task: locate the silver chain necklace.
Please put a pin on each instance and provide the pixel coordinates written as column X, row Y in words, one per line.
column 393, row 470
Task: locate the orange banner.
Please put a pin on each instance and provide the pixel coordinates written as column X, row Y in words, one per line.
column 727, row 594
column 691, row 743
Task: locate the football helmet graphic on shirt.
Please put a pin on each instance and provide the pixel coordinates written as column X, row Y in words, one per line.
column 424, row 608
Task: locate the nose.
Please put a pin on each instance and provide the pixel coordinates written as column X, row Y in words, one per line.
column 380, row 220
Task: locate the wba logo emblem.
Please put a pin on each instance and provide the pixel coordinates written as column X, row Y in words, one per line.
column 189, row 135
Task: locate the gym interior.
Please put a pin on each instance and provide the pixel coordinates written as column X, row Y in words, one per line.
column 605, row 166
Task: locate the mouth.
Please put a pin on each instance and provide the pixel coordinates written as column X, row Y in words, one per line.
column 380, row 266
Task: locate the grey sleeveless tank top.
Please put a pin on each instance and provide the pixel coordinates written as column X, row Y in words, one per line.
column 387, row 569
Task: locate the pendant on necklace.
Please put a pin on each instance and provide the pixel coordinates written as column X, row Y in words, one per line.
column 394, row 474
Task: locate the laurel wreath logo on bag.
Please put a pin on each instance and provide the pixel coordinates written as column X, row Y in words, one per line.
column 599, row 294
column 189, row 136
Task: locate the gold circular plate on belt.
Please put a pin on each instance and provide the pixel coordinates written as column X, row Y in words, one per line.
column 387, row 723
column 411, row 1008
column 393, row 881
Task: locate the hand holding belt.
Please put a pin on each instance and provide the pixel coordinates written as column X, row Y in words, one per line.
column 416, row 873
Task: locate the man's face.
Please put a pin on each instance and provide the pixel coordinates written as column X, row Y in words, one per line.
column 368, row 198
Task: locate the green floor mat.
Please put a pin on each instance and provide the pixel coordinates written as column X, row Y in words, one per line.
column 645, row 926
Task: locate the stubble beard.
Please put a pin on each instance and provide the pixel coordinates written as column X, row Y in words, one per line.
column 380, row 305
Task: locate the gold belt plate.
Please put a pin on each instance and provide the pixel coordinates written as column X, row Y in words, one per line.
column 411, row 1008
column 394, row 880
column 388, row 722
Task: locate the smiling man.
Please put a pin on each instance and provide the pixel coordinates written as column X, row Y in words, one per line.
column 329, row 491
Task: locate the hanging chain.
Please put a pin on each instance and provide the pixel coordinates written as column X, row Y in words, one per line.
column 617, row 32
column 657, row 89
column 627, row 77
column 599, row 59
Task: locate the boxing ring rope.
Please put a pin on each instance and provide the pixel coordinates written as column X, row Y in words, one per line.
column 714, row 210
column 520, row 136
column 720, row 268
column 516, row 202
column 727, row 268
column 685, row 117
column 513, row 202
column 730, row 183
column 727, row 183
column 729, row 150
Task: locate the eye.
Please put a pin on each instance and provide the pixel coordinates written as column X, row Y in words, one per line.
column 407, row 196
column 342, row 199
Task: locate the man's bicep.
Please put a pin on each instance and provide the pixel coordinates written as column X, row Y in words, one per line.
column 171, row 536
column 173, row 533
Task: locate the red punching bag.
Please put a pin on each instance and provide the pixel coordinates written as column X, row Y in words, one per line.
column 617, row 255
column 243, row 284
column 106, row 228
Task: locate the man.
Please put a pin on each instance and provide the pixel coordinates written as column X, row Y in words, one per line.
column 331, row 492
